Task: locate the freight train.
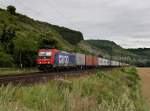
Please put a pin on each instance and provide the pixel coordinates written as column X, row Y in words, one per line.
column 56, row 59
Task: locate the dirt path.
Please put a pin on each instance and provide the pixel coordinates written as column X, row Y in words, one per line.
column 145, row 76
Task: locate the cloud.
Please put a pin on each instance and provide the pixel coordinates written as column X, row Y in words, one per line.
column 126, row 22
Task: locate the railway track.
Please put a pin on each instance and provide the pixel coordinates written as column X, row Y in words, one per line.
column 33, row 78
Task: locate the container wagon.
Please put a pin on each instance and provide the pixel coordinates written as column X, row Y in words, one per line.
column 88, row 61
column 80, row 60
column 95, row 61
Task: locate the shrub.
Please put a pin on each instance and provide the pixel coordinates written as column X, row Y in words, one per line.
column 6, row 60
column 11, row 9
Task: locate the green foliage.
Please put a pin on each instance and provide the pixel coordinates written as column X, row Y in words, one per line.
column 106, row 91
column 25, row 49
column 132, row 77
column 21, row 37
column 73, row 37
column 25, row 43
column 11, row 9
column 130, row 70
column 144, row 54
column 109, row 49
column 6, row 38
column 47, row 41
column 6, row 60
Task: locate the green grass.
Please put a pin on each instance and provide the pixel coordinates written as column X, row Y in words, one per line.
column 116, row 90
column 12, row 71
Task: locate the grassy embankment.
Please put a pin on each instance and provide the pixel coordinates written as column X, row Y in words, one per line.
column 116, row 90
column 12, row 71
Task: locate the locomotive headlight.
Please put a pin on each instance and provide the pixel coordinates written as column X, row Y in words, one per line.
column 48, row 62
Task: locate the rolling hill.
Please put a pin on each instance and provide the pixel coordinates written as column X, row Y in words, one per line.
column 111, row 50
column 22, row 36
column 144, row 54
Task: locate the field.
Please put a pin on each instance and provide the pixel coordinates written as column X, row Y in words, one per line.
column 144, row 74
column 113, row 90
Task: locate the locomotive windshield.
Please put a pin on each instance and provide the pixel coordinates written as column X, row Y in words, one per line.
column 45, row 54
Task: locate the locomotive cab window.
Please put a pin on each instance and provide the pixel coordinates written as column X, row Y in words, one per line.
column 44, row 55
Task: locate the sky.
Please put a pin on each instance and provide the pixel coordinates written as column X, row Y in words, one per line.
column 126, row 22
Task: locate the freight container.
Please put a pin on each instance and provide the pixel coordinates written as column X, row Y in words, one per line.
column 112, row 63
column 120, row 64
column 104, row 62
column 117, row 63
column 80, row 59
column 99, row 61
column 88, row 60
column 108, row 62
column 65, row 59
column 95, row 61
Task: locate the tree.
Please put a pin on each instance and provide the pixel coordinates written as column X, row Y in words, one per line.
column 25, row 47
column 48, row 41
column 6, row 38
column 6, row 60
column 11, row 9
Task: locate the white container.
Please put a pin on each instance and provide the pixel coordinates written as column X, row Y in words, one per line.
column 80, row 59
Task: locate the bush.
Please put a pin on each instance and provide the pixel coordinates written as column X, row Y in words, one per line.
column 11, row 9
column 6, row 60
